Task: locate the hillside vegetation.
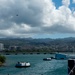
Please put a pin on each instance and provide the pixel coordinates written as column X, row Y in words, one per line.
column 40, row 45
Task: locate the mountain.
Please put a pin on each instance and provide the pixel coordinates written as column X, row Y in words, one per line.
column 47, row 44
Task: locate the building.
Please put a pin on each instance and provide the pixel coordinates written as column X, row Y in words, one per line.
column 14, row 48
column 1, row 46
column 18, row 48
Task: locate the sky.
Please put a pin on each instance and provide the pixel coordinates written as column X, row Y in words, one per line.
column 37, row 18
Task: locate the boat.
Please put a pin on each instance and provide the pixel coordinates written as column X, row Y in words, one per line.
column 61, row 56
column 22, row 64
column 47, row 59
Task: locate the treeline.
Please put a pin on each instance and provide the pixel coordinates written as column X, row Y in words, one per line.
column 40, row 45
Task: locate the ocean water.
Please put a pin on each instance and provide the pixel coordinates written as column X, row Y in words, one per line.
column 38, row 66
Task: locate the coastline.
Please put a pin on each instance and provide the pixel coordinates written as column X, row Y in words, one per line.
column 1, row 64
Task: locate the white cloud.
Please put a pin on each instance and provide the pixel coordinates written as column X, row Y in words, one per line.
column 66, row 2
column 23, row 18
column 73, row 1
column 74, row 13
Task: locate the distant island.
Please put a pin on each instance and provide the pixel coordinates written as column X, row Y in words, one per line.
column 38, row 45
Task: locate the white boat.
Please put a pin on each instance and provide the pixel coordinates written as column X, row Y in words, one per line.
column 22, row 64
column 47, row 59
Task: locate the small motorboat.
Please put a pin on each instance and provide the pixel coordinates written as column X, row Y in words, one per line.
column 22, row 64
column 47, row 59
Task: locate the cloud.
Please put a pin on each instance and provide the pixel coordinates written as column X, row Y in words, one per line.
column 66, row 2
column 73, row 1
column 25, row 18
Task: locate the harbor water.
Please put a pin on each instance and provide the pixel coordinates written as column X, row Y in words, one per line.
column 38, row 66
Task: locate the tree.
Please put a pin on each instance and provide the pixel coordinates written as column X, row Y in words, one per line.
column 2, row 59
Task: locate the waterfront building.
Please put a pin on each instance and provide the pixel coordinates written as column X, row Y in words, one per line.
column 14, row 48
column 1, row 46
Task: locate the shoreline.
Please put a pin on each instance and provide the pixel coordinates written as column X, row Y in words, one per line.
column 1, row 64
column 31, row 53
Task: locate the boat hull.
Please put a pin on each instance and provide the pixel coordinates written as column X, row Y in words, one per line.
column 22, row 65
column 47, row 59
